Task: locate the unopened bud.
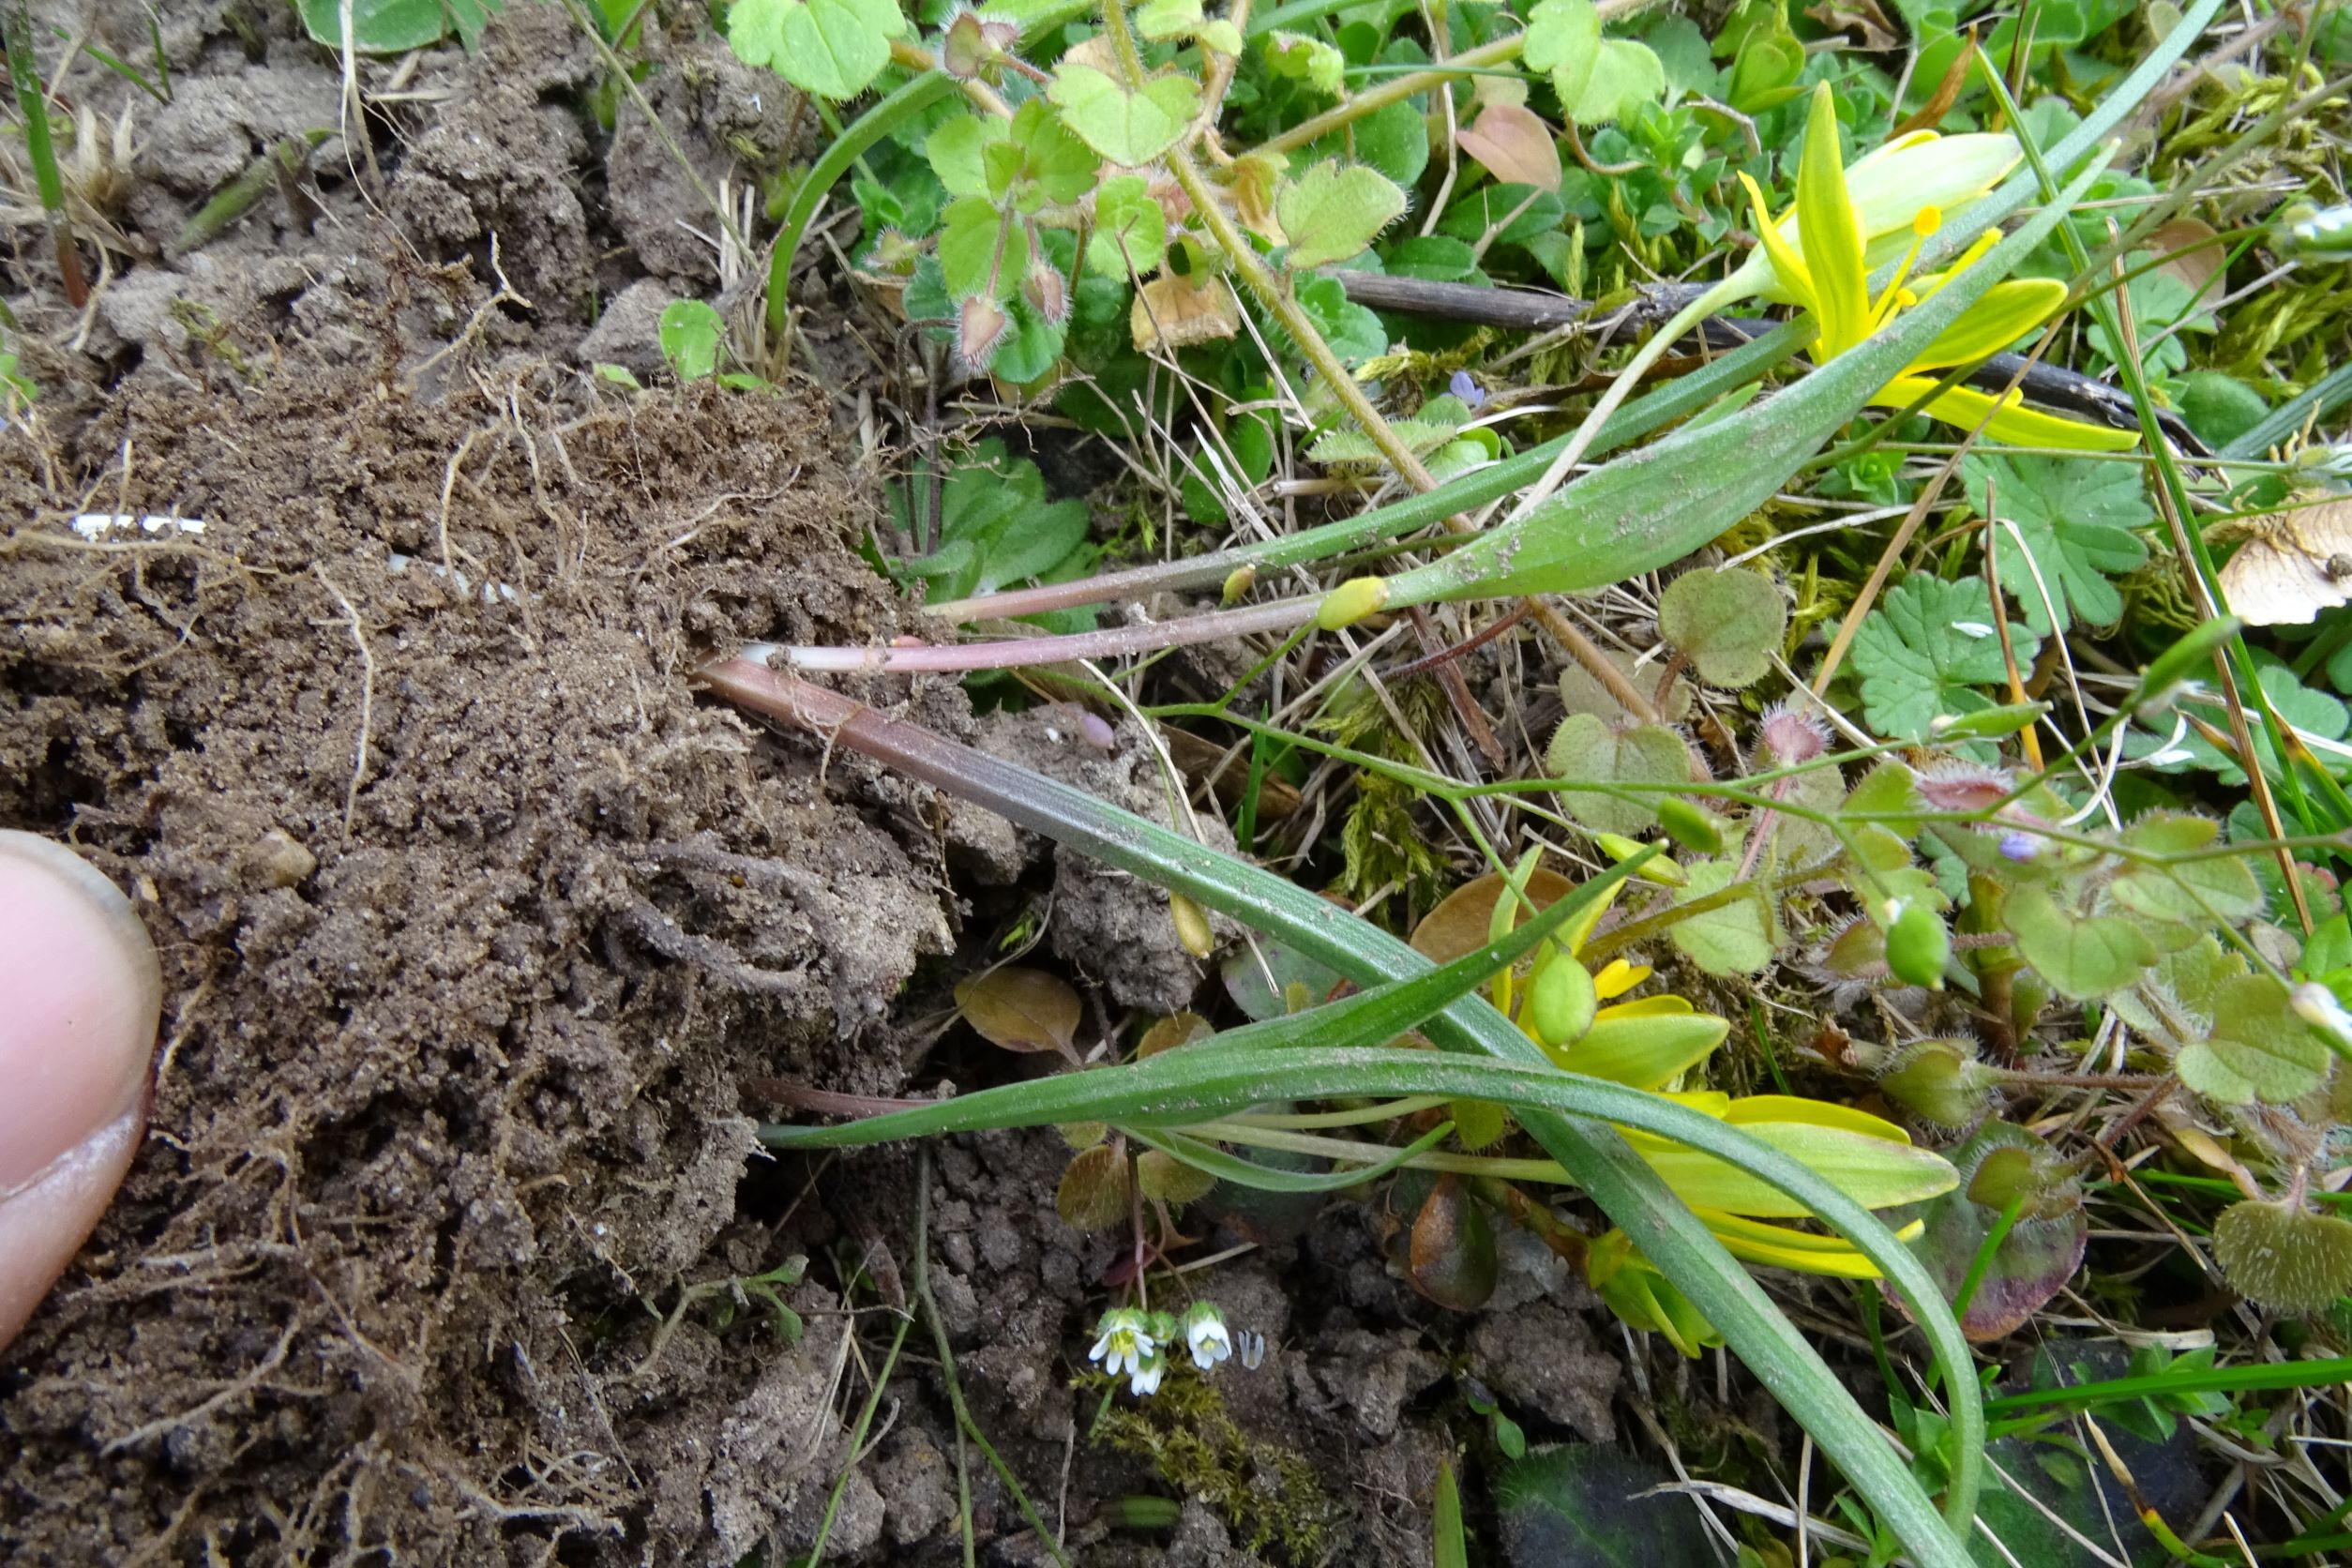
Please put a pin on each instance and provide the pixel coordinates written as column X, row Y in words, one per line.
column 1192, row 926
column 1351, row 601
column 980, row 327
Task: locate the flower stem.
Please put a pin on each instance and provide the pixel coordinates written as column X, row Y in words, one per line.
column 1018, row 652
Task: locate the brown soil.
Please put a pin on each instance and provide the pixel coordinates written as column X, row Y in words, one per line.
column 472, row 919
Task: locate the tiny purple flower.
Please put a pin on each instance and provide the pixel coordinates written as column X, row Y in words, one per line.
column 1462, row 386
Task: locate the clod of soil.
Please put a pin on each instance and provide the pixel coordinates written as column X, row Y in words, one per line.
column 473, row 919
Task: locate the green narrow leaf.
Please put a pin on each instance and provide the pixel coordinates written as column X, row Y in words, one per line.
column 1448, row 1548
column 1658, row 504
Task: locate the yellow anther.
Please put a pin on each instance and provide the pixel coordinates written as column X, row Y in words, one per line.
column 1927, row 220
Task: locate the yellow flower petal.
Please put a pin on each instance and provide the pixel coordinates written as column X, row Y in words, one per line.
column 1890, row 185
column 1780, row 1247
column 1578, row 931
column 1788, row 282
column 1830, row 232
column 2007, row 312
column 1929, row 284
column 1753, row 1109
column 1617, row 977
column 1963, row 407
column 1873, row 1171
column 1648, row 1007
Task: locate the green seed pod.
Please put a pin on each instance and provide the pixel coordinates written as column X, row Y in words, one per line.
column 1240, row 581
column 1940, row 1081
column 1918, row 946
column 2283, row 1255
column 1562, row 1002
column 1687, row 825
column 2004, row 1176
column 1192, row 926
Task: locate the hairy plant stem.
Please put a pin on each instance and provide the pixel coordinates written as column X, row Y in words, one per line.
column 1396, row 89
column 918, row 59
column 1275, row 296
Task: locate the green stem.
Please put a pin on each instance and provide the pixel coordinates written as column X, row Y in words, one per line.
column 857, row 1438
column 1396, row 90
column 2218, row 1379
column 1982, row 1261
column 1589, row 431
column 870, row 127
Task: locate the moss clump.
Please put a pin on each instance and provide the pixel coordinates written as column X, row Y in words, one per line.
column 1268, row 1493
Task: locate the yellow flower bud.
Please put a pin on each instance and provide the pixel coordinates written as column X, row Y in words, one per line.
column 1351, row 601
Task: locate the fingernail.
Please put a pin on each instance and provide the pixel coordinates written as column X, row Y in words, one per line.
column 80, row 992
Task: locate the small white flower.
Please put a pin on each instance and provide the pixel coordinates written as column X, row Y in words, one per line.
column 1205, row 1335
column 2317, row 1006
column 1126, row 1343
column 1146, row 1380
column 1252, row 1345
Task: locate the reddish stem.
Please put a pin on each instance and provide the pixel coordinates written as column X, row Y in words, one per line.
column 1109, row 643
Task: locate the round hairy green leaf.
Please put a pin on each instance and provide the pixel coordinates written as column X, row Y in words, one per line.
column 1333, row 211
column 1727, row 624
column 377, row 26
column 1588, row 750
column 1625, row 75
column 2190, row 892
column 1563, row 36
column 979, row 252
column 2081, row 957
column 2284, row 1256
column 2034, row 1260
column 1731, row 939
column 2220, row 407
column 1129, row 128
column 1130, row 233
column 832, row 48
column 1162, row 1175
column 2260, row 1048
column 1094, row 1193
column 690, row 334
